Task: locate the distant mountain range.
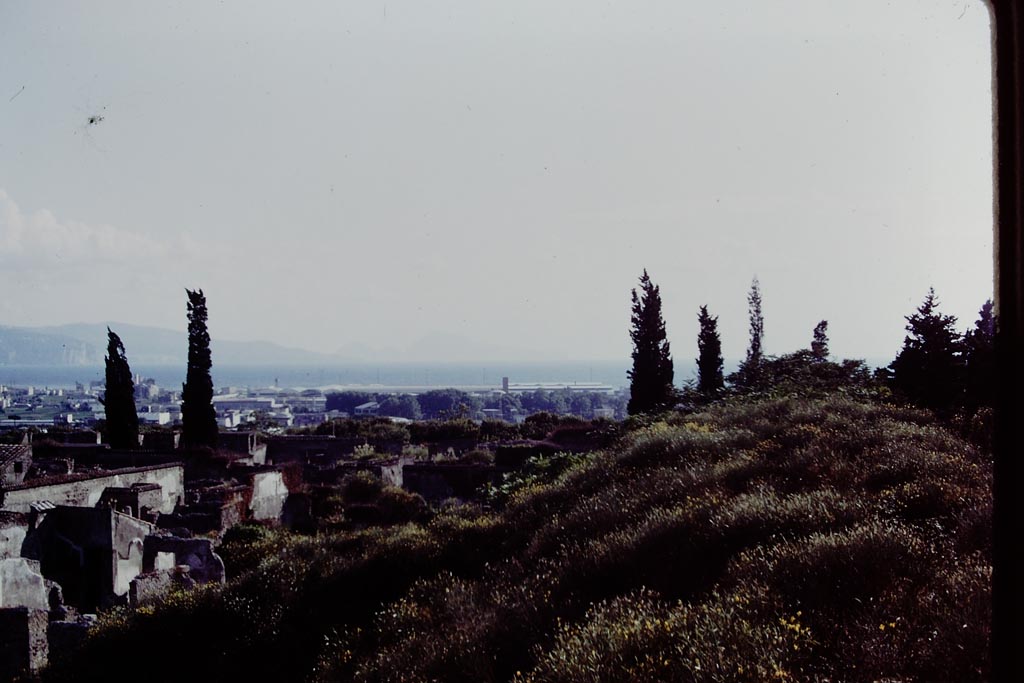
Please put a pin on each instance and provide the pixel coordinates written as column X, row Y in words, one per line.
column 86, row 344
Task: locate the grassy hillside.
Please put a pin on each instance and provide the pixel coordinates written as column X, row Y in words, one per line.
column 791, row 539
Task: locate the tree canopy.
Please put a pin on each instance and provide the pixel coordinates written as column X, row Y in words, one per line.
column 448, row 403
column 819, row 344
column 198, row 416
column 979, row 359
column 400, row 405
column 651, row 386
column 709, row 355
column 346, row 401
column 122, row 424
column 749, row 373
column 929, row 369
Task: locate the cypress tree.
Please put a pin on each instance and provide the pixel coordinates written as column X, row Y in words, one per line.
column 755, row 352
column 929, row 369
column 119, row 397
column 650, row 387
column 709, row 351
column 819, row 345
column 748, row 375
column 198, row 417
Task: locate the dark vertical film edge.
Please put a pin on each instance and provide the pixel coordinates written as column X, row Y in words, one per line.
column 1007, row 594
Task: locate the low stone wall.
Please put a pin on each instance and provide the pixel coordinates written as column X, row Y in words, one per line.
column 205, row 566
column 160, row 441
column 149, row 588
column 85, row 490
column 452, row 446
column 283, row 449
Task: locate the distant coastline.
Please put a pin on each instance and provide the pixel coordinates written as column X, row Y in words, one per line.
column 379, row 376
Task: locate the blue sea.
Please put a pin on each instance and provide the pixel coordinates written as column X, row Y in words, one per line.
column 439, row 375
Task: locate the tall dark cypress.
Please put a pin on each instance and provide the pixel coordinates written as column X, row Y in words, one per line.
column 650, row 387
column 755, row 352
column 119, row 397
column 709, row 351
column 198, row 417
column 749, row 374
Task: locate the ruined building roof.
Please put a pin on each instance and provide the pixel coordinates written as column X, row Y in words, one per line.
column 9, row 453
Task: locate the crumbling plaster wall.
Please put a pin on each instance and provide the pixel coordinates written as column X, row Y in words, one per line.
column 12, row 535
column 268, row 495
column 22, row 584
column 87, row 492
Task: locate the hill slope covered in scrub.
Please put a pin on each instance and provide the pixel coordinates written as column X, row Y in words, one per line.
column 793, row 539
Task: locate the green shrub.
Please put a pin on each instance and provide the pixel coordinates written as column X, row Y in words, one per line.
column 498, row 430
column 433, row 431
column 639, row 637
column 477, row 457
column 839, row 568
column 244, row 546
column 400, row 507
column 361, row 487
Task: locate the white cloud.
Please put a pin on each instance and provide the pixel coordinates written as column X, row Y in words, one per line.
column 61, row 270
column 41, row 239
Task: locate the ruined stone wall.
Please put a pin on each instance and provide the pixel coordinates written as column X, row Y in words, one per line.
column 283, row 449
column 13, row 528
column 438, row 481
column 128, row 534
column 205, row 566
column 22, row 584
column 453, row 446
column 85, row 491
column 259, row 454
column 93, row 553
column 67, row 636
column 391, row 472
column 151, row 587
column 160, row 441
column 203, row 519
column 268, row 495
column 23, row 641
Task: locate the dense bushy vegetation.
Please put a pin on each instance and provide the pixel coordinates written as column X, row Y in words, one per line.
column 803, row 538
column 452, row 405
column 537, row 426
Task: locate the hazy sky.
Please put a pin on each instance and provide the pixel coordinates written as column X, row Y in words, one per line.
column 369, row 173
